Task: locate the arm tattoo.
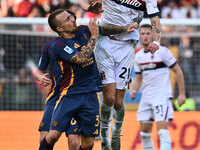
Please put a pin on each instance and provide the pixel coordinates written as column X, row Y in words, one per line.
column 83, row 56
column 112, row 29
column 156, row 28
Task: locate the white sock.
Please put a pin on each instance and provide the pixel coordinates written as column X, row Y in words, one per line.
column 106, row 118
column 165, row 141
column 118, row 118
column 147, row 142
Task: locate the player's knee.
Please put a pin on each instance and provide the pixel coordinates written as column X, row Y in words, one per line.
column 74, row 141
column 118, row 105
column 165, row 141
column 87, row 146
column 109, row 100
column 53, row 137
column 43, row 134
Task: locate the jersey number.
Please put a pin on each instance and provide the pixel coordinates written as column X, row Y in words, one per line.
column 97, row 119
column 159, row 109
column 124, row 72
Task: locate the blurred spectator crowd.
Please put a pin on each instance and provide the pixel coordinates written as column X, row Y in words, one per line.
column 41, row 8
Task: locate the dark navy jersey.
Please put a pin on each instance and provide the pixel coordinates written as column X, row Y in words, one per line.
column 70, row 78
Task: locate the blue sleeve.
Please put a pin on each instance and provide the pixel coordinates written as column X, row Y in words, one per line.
column 44, row 59
column 65, row 51
column 84, row 29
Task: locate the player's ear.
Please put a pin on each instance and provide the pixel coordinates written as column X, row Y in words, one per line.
column 59, row 29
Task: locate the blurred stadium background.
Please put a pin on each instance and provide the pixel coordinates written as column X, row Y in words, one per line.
column 22, row 37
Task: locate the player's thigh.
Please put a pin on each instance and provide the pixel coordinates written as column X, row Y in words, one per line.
column 123, row 58
column 48, row 111
column 109, row 92
column 43, row 134
column 63, row 114
column 74, row 141
column 88, row 115
column 104, row 57
column 53, row 136
column 87, row 141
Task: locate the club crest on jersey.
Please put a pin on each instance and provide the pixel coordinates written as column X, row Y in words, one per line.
column 68, row 49
column 103, row 75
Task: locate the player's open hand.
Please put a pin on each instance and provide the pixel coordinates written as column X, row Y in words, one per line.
column 94, row 27
column 181, row 99
column 44, row 79
column 132, row 94
column 95, row 7
column 132, row 27
column 153, row 47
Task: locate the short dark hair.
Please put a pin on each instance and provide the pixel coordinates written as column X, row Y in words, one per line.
column 53, row 23
column 145, row 26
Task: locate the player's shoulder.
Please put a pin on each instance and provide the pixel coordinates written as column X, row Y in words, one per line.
column 47, row 45
column 58, row 43
column 164, row 49
column 83, row 29
column 139, row 54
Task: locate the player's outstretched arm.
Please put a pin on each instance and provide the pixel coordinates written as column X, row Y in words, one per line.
column 83, row 56
column 157, row 32
column 181, row 84
column 93, row 6
column 113, row 29
column 43, row 77
column 136, row 85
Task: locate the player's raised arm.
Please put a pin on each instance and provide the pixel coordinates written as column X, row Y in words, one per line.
column 83, row 56
column 113, row 29
column 157, row 32
column 153, row 14
column 93, row 6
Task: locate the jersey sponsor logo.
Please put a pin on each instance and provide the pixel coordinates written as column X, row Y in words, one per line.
column 135, row 4
column 152, row 65
column 68, row 50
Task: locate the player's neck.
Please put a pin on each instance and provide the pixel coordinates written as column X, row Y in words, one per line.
column 145, row 48
column 67, row 35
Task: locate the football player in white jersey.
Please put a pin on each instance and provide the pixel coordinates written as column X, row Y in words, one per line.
column 114, row 55
column 153, row 77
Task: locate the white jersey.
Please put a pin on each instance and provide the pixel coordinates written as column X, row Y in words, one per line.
column 124, row 12
column 154, row 68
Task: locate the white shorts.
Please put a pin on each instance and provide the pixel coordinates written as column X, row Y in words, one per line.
column 162, row 110
column 115, row 61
